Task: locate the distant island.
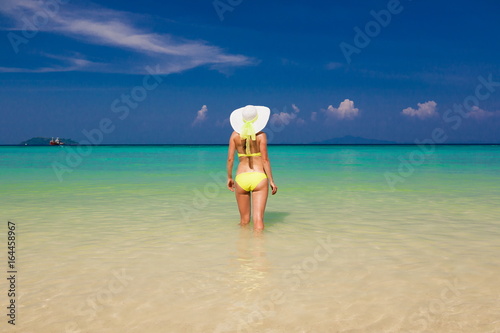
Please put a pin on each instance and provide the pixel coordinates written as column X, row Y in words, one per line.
column 353, row 140
column 40, row 141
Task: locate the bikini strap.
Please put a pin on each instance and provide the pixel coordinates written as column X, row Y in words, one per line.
column 248, row 155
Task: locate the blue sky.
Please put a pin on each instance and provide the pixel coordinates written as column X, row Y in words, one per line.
column 172, row 72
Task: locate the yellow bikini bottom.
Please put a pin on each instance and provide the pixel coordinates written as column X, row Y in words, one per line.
column 249, row 180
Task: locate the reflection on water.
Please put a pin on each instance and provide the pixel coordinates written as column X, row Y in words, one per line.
column 251, row 262
column 249, row 280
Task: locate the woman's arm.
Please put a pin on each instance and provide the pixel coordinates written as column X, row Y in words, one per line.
column 230, row 163
column 266, row 163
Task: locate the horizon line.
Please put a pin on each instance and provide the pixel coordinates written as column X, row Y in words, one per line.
column 269, row 144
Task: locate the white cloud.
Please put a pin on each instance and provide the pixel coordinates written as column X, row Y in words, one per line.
column 282, row 118
column 201, row 115
column 346, row 110
column 425, row 110
column 285, row 118
column 479, row 114
column 119, row 30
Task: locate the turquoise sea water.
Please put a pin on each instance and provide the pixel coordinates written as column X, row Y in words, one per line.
column 358, row 239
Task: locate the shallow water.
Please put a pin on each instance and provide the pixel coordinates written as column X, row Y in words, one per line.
column 146, row 239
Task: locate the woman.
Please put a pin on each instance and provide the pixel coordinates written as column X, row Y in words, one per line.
column 254, row 169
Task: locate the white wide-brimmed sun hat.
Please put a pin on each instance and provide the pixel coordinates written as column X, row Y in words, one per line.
column 250, row 118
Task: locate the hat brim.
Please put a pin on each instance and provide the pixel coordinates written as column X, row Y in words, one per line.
column 236, row 118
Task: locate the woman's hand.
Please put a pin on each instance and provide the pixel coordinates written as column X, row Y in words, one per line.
column 230, row 184
column 274, row 188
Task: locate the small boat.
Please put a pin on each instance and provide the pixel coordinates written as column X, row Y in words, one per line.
column 56, row 142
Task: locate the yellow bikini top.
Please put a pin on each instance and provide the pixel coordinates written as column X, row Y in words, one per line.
column 248, row 155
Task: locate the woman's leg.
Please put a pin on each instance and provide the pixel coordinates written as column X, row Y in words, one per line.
column 243, row 200
column 259, row 199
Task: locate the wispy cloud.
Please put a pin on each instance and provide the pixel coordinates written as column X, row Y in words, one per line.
column 346, row 110
column 479, row 114
column 314, row 116
column 201, row 116
column 285, row 118
column 282, row 118
column 334, row 65
column 118, row 30
column 222, row 123
column 425, row 110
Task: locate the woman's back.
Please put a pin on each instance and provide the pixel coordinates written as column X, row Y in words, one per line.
column 254, row 161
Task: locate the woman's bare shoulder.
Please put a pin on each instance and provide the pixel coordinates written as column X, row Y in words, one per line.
column 261, row 135
column 234, row 137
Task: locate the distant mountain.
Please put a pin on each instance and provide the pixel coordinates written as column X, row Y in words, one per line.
column 39, row 141
column 353, row 140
